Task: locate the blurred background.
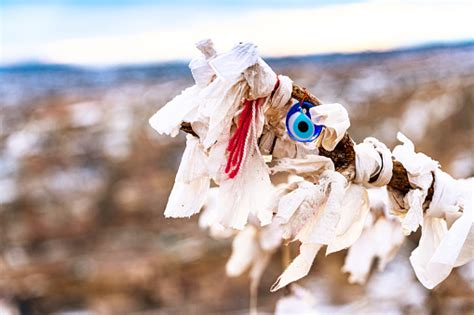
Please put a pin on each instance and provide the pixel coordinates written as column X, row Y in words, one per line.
column 84, row 179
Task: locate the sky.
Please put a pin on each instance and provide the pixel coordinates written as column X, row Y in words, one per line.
column 106, row 32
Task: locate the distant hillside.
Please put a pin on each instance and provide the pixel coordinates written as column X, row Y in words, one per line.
column 26, row 82
column 177, row 66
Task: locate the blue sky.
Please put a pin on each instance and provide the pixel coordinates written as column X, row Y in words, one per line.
column 124, row 31
column 284, row 3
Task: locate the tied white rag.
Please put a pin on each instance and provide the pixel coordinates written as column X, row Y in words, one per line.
column 381, row 238
column 420, row 169
column 373, row 163
column 323, row 209
column 184, row 107
column 211, row 107
column 335, row 119
column 446, row 234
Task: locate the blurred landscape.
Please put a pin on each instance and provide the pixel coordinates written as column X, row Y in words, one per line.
column 84, row 181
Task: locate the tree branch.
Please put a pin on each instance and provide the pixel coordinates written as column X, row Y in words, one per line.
column 343, row 155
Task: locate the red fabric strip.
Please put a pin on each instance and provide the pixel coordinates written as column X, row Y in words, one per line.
column 237, row 142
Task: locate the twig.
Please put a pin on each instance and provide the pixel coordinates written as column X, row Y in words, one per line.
column 186, row 127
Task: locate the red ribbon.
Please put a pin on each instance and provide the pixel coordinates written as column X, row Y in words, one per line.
column 238, row 141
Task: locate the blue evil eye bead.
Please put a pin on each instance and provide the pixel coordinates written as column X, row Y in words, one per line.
column 299, row 125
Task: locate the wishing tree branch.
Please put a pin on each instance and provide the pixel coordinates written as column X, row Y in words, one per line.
column 343, row 156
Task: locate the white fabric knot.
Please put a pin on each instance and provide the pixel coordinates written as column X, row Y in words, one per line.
column 373, row 161
column 419, row 166
column 277, row 105
column 200, row 68
column 282, row 94
column 449, row 195
column 261, row 79
column 206, row 46
column 335, row 120
column 229, row 66
column 447, row 236
column 420, row 169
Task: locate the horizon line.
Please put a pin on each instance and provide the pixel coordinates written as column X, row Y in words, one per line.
column 400, row 49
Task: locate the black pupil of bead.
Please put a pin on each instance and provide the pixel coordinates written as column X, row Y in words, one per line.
column 303, row 126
